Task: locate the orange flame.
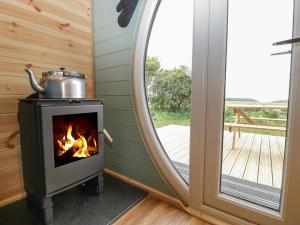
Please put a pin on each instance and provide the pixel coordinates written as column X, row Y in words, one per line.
column 79, row 145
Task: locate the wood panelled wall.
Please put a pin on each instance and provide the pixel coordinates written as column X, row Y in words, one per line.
column 47, row 34
column 113, row 51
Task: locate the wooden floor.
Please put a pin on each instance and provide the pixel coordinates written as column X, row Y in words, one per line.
column 151, row 211
column 256, row 157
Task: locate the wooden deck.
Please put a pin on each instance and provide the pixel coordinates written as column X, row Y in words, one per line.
column 256, row 157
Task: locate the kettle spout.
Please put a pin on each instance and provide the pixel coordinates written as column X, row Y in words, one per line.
column 34, row 84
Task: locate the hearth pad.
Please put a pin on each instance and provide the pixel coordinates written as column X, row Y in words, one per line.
column 77, row 207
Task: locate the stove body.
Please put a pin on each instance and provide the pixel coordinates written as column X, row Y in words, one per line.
column 62, row 147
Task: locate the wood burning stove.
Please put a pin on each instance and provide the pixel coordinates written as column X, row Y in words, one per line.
column 62, row 146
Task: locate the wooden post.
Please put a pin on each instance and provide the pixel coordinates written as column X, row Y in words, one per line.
column 233, row 138
column 236, row 120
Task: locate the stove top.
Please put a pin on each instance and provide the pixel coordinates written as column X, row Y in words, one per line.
column 34, row 98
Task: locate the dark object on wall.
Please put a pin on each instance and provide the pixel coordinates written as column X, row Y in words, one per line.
column 126, row 7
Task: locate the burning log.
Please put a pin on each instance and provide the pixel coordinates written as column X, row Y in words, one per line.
column 92, row 150
column 75, row 145
column 67, row 155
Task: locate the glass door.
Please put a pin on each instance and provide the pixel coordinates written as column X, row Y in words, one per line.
column 252, row 102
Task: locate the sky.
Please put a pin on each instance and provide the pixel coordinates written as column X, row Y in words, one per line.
column 172, row 33
column 253, row 25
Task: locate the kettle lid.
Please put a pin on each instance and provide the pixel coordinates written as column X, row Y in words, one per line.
column 64, row 73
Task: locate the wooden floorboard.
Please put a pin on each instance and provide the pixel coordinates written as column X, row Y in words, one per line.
column 154, row 211
column 258, row 158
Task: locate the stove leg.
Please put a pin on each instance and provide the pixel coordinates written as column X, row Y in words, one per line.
column 42, row 208
column 94, row 185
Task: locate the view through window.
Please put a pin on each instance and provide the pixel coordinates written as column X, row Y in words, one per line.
column 168, row 79
column 256, row 100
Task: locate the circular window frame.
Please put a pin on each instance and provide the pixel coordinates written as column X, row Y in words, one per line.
column 155, row 149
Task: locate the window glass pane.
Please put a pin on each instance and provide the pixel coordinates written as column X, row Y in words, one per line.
column 256, row 100
column 168, row 79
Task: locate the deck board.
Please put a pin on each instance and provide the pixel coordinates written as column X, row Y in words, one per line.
column 258, row 158
column 226, row 144
column 176, row 141
column 251, row 170
column 281, row 144
column 240, row 164
column 265, row 175
column 229, row 161
column 277, row 162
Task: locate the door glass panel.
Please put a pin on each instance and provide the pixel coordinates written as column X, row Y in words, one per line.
column 256, row 100
column 168, row 79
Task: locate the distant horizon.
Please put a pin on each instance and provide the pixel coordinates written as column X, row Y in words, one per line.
column 255, row 100
column 251, row 99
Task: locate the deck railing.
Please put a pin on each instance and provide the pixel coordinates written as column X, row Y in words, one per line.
column 243, row 120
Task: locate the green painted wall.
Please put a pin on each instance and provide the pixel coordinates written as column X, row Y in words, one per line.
column 113, row 50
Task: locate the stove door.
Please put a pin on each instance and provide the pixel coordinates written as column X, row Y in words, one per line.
column 72, row 143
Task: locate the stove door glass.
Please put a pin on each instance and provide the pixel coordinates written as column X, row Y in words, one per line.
column 75, row 137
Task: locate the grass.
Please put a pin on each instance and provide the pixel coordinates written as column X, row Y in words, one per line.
column 265, row 132
column 163, row 118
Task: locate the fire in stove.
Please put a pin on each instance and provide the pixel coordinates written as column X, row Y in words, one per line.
column 75, row 137
column 79, row 147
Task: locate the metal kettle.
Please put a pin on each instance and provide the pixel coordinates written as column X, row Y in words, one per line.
column 59, row 84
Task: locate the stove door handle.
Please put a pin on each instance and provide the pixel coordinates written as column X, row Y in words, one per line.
column 107, row 136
